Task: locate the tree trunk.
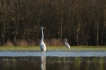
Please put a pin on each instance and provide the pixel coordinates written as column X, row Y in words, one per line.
column 17, row 24
column 3, row 35
column 97, row 39
column 103, row 27
column 96, row 20
column 77, row 37
column 61, row 25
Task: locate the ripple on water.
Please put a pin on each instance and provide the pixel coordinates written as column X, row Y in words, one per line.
column 53, row 53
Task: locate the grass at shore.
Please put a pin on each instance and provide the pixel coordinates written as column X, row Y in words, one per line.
column 51, row 48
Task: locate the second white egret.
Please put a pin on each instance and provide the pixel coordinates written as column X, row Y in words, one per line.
column 66, row 44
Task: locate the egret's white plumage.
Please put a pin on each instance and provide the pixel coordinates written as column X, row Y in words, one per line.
column 66, row 44
column 42, row 44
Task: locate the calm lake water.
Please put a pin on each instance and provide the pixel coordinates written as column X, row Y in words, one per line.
column 53, row 60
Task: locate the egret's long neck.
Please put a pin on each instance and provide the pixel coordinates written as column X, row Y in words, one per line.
column 65, row 41
column 42, row 35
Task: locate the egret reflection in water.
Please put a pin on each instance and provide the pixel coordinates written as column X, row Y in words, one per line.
column 43, row 62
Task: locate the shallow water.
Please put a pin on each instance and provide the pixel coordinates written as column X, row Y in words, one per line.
column 53, row 60
column 53, row 53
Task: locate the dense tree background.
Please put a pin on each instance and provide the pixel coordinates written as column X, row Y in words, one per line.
column 82, row 22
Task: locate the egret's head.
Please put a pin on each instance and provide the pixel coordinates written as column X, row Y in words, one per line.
column 65, row 40
column 42, row 28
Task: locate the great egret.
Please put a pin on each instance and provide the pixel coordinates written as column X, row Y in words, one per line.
column 42, row 44
column 66, row 44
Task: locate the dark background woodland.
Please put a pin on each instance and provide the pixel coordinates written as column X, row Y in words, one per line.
column 82, row 22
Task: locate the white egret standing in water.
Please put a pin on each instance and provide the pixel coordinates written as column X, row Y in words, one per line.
column 42, row 44
column 66, row 44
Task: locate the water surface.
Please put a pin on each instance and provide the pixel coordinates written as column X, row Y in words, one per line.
column 53, row 60
column 53, row 53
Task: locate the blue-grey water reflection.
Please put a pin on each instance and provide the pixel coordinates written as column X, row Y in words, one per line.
column 53, row 53
column 52, row 61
